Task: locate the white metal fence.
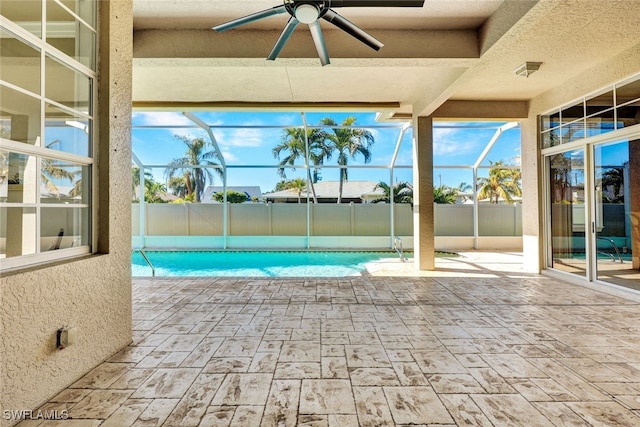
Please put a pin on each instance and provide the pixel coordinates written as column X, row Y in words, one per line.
column 355, row 225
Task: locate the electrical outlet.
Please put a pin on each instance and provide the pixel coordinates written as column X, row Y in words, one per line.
column 66, row 336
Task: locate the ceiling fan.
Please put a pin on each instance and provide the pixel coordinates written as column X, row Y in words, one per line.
column 309, row 12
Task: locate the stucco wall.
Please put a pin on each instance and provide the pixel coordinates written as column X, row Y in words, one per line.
column 585, row 82
column 93, row 293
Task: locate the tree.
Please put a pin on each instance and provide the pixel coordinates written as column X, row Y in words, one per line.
column 195, row 178
column 51, row 171
column 501, row 183
column 463, row 186
column 299, row 185
column 444, row 195
column 153, row 189
column 348, row 142
column 293, row 146
column 402, row 192
column 233, row 196
column 613, row 181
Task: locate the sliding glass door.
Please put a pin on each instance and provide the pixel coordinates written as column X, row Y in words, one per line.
column 594, row 212
column 617, row 209
column 567, row 212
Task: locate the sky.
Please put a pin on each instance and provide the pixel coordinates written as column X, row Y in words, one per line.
column 247, row 139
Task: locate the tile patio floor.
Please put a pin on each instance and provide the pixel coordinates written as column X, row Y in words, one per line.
column 477, row 342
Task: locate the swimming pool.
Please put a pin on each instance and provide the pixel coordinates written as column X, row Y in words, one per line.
column 256, row 264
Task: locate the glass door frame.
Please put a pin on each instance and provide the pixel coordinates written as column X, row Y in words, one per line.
column 588, row 146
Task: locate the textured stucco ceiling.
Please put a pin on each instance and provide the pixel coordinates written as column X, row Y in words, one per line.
column 446, row 50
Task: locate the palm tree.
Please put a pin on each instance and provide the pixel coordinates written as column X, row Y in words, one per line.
column 402, row 192
column 463, row 186
column 444, row 195
column 348, row 142
column 52, row 171
column 613, row 178
column 195, row 178
column 178, row 186
column 501, row 183
column 135, row 180
column 299, row 185
column 294, row 143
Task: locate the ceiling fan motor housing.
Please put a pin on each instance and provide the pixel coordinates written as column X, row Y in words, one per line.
column 307, row 11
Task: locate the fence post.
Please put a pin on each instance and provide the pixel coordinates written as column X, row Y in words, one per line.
column 353, row 218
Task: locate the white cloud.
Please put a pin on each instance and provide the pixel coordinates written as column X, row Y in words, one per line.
column 450, row 141
column 229, row 156
column 161, row 119
column 243, row 137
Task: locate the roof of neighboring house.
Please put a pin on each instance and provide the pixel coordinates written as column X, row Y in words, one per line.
column 330, row 189
column 249, row 190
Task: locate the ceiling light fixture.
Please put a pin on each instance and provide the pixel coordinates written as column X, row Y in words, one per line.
column 527, row 68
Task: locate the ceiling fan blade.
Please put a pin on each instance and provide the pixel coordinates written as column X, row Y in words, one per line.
column 377, row 3
column 284, row 37
column 250, row 18
column 318, row 40
column 352, row 29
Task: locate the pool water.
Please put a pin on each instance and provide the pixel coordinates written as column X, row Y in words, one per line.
column 256, row 264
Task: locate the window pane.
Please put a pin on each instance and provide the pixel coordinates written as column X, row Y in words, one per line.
column 551, row 138
column 627, row 92
column 17, row 231
column 550, row 121
column 600, row 102
column 19, row 116
column 63, row 182
column 573, row 112
column 85, row 9
column 566, row 174
column 69, row 35
column 66, row 131
column 628, row 115
column 26, row 13
column 572, row 131
column 64, row 228
column 66, row 86
column 18, row 181
column 20, row 63
column 600, row 123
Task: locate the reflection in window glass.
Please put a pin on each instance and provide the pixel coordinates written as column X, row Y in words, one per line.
column 70, row 36
column 572, row 131
column 566, row 175
column 550, row 121
column 600, row 102
column 25, row 13
column 20, row 62
column 20, row 116
column 63, row 182
column 628, row 92
column 551, row 138
column 628, row 116
column 67, row 86
column 85, row 9
column 18, row 183
column 572, row 112
column 600, row 123
column 17, row 231
column 66, row 131
column 64, row 227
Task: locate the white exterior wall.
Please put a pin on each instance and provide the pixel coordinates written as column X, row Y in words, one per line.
column 624, row 65
column 92, row 293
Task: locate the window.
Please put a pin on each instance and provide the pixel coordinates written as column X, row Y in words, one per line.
column 47, row 94
column 612, row 108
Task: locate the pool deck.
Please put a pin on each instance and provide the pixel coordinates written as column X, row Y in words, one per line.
column 476, row 342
